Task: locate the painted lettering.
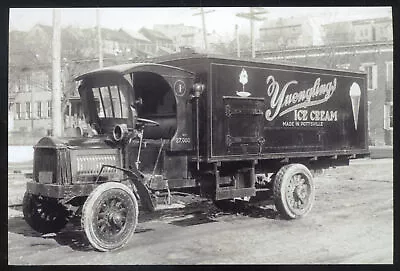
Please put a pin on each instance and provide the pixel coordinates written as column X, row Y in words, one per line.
column 282, row 103
column 323, row 115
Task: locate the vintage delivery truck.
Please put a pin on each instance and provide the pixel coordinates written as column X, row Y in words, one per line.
column 223, row 128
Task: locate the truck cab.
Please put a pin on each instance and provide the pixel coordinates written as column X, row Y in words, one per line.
column 139, row 131
column 156, row 92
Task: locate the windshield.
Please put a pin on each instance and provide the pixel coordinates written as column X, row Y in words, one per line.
column 111, row 101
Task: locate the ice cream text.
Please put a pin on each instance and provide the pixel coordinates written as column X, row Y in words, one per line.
column 282, row 102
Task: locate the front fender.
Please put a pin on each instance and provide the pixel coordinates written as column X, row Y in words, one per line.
column 137, row 179
column 144, row 194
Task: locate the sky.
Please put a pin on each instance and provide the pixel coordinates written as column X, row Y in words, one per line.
column 222, row 19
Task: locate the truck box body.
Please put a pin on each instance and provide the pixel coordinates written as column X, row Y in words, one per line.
column 258, row 110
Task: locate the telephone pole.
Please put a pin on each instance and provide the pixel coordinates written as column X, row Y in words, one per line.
column 237, row 40
column 56, row 66
column 202, row 12
column 99, row 40
column 252, row 16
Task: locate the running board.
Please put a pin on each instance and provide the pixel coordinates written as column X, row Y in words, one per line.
column 230, row 193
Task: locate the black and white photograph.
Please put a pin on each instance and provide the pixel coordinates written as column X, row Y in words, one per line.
column 200, row 135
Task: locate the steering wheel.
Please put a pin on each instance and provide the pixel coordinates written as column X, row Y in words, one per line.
column 146, row 122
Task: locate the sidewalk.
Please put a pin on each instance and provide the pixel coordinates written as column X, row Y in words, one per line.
column 381, row 152
column 20, row 159
column 20, row 154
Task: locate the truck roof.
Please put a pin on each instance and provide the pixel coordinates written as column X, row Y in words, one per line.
column 178, row 56
column 127, row 69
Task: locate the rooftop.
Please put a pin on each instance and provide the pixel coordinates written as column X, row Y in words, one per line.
column 280, row 23
column 153, row 34
column 136, row 35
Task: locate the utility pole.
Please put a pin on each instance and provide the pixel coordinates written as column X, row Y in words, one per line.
column 99, row 40
column 252, row 16
column 31, row 109
column 56, row 65
column 202, row 12
column 237, row 40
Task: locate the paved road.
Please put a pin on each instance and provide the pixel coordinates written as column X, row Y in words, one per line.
column 351, row 222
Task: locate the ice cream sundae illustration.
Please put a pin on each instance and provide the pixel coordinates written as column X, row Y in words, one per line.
column 355, row 94
column 243, row 79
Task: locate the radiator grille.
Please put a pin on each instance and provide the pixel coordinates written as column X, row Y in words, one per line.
column 45, row 161
column 88, row 165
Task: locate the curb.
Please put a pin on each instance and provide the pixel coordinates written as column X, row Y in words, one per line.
column 381, row 152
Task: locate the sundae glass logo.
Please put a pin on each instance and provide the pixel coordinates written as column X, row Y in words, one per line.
column 243, row 79
column 282, row 102
column 355, row 94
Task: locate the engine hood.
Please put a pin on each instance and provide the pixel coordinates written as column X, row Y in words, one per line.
column 98, row 142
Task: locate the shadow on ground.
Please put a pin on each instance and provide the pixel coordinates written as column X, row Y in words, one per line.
column 72, row 235
column 205, row 211
column 194, row 213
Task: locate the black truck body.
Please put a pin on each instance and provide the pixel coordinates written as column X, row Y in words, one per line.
column 291, row 111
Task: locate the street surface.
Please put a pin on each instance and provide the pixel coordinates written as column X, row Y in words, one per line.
column 351, row 222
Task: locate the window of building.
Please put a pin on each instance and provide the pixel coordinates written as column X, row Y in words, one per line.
column 27, row 84
column 28, row 110
column 368, row 115
column 389, row 74
column 343, row 66
column 372, row 75
column 40, row 79
column 20, row 84
column 49, row 109
column 39, row 110
column 388, row 116
column 18, row 110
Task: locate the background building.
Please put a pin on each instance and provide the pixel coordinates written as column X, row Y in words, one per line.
column 30, row 68
column 338, row 33
column 365, row 45
column 286, row 33
column 162, row 44
column 182, row 35
column 368, row 52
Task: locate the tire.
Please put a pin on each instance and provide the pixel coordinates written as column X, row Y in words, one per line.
column 294, row 191
column 224, row 205
column 44, row 215
column 110, row 216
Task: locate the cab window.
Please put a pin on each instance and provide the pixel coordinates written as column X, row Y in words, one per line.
column 111, row 101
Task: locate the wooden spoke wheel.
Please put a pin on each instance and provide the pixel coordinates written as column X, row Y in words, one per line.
column 110, row 216
column 43, row 214
column 294, row 191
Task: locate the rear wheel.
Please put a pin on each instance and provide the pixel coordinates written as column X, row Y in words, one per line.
column 109, row 216
column 294, row 191
column 43, row 214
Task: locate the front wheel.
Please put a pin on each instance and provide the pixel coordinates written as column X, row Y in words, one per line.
column 294, row 191
column 110, row 216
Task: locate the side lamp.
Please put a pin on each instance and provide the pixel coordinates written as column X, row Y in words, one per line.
column 198, row 89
